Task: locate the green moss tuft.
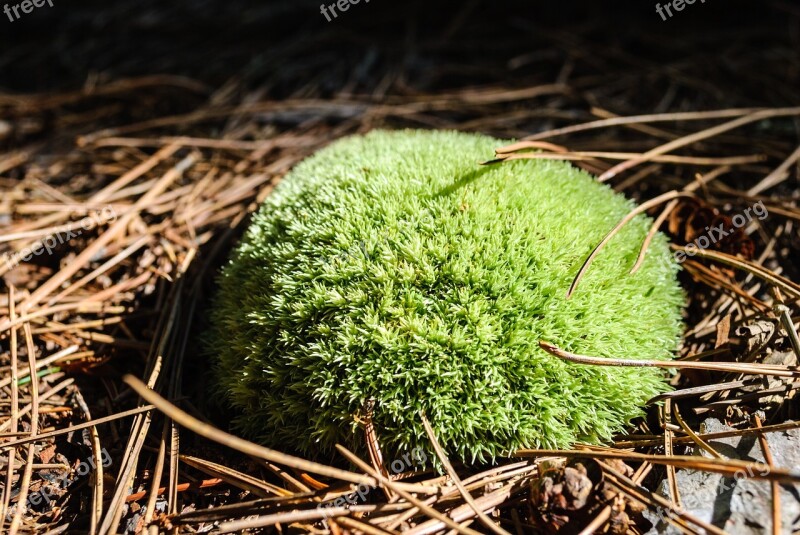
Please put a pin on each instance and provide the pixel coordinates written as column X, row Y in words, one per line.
column 392, row 266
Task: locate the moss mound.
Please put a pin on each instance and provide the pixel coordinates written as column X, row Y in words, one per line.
column 392, row 267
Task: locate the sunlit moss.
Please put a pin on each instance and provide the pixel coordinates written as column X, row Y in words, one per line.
column 392, row 266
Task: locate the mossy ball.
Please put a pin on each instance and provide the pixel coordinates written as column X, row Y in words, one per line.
column 392, row 270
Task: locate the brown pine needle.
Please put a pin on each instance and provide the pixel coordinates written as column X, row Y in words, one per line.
column 636, row 211
column 735, row 367
column 698, row 136
column 652, row 233
column 249, row 448
column 774, row 485
column 485, row 520
column 430, row 511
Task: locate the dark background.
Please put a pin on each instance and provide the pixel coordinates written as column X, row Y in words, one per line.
column 437, row 44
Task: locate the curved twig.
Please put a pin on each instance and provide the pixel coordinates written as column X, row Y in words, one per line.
column 735, row 367
column 636, row 211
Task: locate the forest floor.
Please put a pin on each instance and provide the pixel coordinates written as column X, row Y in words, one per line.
column 138, row 138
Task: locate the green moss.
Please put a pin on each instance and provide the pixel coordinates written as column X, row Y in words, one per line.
column 392, row 266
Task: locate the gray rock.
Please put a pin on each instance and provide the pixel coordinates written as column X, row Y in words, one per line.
column 740, row 505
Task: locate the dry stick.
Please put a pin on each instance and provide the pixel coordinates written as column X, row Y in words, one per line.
column 775, row 487
column 601, row 113
column 221, row 437
column 636, row 211
column 34, row 384
column 86, row 307
column 778, row 175
column 485, row 520
column 478, row 481
column 754, row 269
column 43, row 101
column 473, row 482
column 76, row 427
column 694, row 436
column 97, row 494
column 240, row 526
column 668, row 435
column 158, row 472
column 506, row 471
column 22, row 497
column 522, row 145
column 637, row 177
column 202, row 484
column 174, row 459
column 597, row 155
column 14, row 406
column 39, row 233
column 67, row 206
column 430, row 511
column 373, row 446
column 216, row 513
column 784, row 313
column 748, row 369
column 52, row 327
column 231, row 144
column 652, row 233
column 698, row 136
column 15, row 159
column 699, row 390
column 114, row 291
column 284, row 475
column 233, row 477
column 637, row 119
column 727, row 467
column 783, row 389
column 596, row 524
column 786, row 211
